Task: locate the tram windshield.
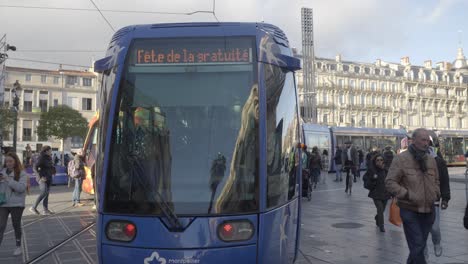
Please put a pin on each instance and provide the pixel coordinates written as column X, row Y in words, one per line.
column 185, row 133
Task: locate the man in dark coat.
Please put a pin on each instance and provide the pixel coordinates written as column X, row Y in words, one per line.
column 350, row 161
column 44, row 169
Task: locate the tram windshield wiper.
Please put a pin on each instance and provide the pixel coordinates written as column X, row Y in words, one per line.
column 166, row 209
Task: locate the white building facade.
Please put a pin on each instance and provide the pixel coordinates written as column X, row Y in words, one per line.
column 42, row 89
column 392, row 95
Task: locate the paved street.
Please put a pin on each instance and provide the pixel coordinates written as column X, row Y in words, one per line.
column 340, row 229
column 336, row 228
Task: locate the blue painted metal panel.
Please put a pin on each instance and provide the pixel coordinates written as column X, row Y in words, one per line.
column 242, row 254
column 277, row 234
column 60, row 178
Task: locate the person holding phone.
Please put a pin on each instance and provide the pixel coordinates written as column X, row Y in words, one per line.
column 13, row 182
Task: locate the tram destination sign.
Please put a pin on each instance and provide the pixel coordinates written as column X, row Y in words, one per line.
column 188, row 51
column 186, row 55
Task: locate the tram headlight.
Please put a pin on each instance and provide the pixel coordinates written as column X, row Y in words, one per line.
column 235, row 230
column 121, row 231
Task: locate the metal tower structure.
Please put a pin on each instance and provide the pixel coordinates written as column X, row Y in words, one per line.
column 309, row 92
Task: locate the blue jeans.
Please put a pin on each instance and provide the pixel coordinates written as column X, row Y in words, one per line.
column 338, row 171
column 77, row 190
column 417, row 227
column 44, row 195
column 435, row 231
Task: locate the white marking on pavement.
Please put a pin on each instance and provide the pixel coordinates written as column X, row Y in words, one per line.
column 329, row 190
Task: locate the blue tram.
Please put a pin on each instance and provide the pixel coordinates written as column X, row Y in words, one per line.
column 366, row 139
column 197, row 157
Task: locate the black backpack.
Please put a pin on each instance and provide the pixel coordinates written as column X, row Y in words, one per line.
column 369, row 184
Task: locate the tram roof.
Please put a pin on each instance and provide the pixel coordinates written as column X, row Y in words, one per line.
column 122, row 38
column 201, row 29
column 315, row 128
column 454, row 133
column 368, row 131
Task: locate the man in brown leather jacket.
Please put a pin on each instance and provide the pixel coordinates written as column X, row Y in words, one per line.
column 414, row 179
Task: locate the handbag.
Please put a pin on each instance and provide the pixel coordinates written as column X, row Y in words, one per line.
column 394, row 216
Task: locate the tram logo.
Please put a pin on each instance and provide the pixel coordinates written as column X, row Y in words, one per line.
column 156, row 259
column 155, row 256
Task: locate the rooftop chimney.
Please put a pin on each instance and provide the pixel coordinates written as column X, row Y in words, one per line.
column 444, row 66
column 338, row 58
column 428, row 64
column 378, row 63
column 405, row 61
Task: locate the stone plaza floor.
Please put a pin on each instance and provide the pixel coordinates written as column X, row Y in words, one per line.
column 336, row 228
column 339, row 228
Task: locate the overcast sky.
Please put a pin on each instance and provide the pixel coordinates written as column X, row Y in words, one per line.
column 360, row 30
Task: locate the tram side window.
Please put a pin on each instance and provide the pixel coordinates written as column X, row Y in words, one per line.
column 282, row 135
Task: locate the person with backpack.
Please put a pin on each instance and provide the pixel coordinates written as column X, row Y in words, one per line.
column 44, row 169
column 374, row 181
column 388, row 155
column 13, row 189
column 77, row 173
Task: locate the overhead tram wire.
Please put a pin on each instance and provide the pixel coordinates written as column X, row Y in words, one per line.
column 58, row 51
column 107, row 10
column 49, row 62
column 108, row 23
column 214, row 11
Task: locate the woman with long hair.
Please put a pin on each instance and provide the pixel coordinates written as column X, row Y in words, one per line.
column 374, row 181
column 13, row 185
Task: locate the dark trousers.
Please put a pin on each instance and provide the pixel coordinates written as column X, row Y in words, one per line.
column 16, row 214
column 380, row 205
column 315, row 175
column 43, row 196
column 417, row 227
column 349, row 168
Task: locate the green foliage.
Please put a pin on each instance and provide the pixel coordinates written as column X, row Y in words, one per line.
column 62, row 122
column 7, row 119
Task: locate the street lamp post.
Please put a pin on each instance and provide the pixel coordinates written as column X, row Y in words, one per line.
column 4, row 48
column 16, row 89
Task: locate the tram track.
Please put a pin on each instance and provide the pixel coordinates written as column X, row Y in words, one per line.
column 42, row 218
column 57, row 246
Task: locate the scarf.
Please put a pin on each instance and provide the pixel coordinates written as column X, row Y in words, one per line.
column 419, row 156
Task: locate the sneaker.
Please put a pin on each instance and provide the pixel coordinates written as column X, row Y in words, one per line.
column 437, row 250
column 47, row 212
column 79, row 204
column 17, row 251
column 34, row 211
column 382, row 229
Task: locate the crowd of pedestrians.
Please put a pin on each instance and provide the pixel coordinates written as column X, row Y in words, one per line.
column 15, row 184
column 416, row 176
